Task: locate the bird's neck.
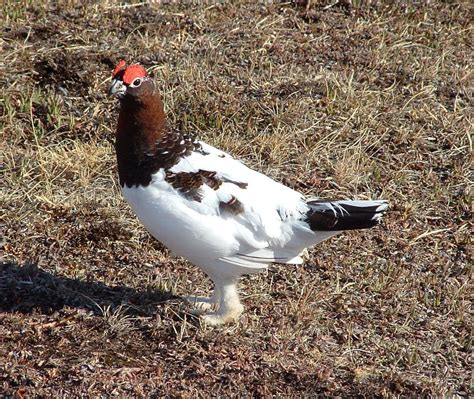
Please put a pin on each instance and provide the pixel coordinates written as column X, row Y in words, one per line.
column 145, row 143
column 141, row 127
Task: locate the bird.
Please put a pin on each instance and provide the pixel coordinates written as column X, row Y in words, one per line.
column 210, row 208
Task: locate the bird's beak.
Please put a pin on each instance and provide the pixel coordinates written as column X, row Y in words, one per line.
column 117, row 88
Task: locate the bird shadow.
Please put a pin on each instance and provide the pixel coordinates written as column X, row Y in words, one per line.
column 29, row 289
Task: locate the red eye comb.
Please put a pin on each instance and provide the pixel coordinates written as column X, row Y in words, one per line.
column 120, row 67
column 132, row 72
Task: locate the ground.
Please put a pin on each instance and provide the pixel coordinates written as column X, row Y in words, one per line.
column 340, row 99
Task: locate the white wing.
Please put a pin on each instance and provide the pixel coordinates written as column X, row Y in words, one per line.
column 269, row 222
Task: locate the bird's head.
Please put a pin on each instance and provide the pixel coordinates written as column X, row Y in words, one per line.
column 131, row 82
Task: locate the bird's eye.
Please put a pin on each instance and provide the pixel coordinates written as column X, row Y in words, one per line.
column 137, row 82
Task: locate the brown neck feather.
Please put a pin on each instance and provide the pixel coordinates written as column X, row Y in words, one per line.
column 141, row 121
column 144, row 142
column 141, row 124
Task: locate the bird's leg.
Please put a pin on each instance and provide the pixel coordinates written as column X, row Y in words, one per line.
column 201, row 304
column 230, row 307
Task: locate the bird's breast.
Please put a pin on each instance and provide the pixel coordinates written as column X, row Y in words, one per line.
column 183, row 230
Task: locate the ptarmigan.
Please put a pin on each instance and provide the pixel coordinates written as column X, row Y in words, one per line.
column 210, row 208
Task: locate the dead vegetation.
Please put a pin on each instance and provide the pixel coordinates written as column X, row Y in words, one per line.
column 337, row 99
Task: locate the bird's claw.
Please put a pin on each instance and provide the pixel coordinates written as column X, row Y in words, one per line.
column 200, row 304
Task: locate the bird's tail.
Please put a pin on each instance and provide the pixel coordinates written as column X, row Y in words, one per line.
column 344, row 215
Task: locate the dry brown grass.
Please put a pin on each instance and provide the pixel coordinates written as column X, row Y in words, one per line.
column 335, row 100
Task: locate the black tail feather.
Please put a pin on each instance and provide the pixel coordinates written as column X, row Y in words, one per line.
column 344, row 215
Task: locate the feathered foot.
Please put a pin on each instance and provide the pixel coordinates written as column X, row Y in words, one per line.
column 230, row 307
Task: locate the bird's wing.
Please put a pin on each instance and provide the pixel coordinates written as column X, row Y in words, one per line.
column 265, row 215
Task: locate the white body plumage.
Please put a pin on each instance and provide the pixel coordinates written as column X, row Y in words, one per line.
column 224, row 245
